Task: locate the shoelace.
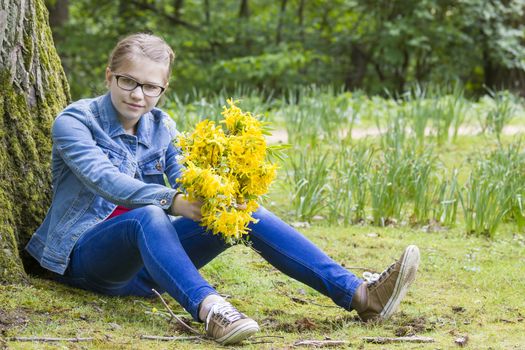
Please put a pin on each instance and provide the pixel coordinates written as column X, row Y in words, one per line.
column 373, row 278
column 223, row 313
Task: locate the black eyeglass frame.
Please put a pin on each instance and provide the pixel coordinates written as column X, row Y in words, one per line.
column 118, row 76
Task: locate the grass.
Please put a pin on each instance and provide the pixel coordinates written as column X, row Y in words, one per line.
column 466, row 286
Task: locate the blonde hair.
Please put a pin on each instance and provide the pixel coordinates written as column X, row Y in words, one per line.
column 147, row 45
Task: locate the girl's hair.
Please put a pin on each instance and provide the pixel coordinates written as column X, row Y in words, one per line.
column 147, row 45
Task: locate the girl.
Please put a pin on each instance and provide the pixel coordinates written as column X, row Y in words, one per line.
column 111, row 226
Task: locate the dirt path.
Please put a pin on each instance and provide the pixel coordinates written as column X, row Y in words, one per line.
column 281, row 136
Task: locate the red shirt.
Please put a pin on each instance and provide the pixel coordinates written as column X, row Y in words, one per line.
column 118, row 211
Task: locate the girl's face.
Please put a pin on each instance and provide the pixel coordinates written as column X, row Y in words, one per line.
column 131, row 103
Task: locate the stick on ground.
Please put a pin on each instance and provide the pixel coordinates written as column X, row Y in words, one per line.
column 49, row 339
column 155, row 337
column 320, row 343
column 386, row 340
column 193, row 330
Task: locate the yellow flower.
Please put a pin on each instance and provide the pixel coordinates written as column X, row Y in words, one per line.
column 224, row 168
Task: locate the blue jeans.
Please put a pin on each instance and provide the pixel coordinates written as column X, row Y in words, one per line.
column 143, row 249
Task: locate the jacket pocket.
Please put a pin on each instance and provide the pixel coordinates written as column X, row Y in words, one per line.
column 114, row 157
column 152, row 168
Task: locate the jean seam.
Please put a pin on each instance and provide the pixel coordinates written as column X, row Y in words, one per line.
column 155, row 260
column 165, row 271
column 135, row 220
column 92, row 237
column 195, row 232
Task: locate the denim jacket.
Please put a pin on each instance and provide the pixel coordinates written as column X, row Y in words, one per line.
column 97, row 166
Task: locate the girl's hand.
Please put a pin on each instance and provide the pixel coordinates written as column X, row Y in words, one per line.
column 241, row 206
column 189, row 209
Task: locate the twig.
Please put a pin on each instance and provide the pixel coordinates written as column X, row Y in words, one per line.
column 267, row 336
column 386, row 340
column 194, row 331
column 154, row 337
column 306, row 301
column 254, row 340
column 320, row 343
column 260, row 342
column 164, row 315
column 46, row 339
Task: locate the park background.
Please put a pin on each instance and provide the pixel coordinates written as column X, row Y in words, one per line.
column 403, row 121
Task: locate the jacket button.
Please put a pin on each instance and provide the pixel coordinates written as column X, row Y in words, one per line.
column 163, row 201
column 158, row 166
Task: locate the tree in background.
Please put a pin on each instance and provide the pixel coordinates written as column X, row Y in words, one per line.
column 34, row 90
column 360, row 44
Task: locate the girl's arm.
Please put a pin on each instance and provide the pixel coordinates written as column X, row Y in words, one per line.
column 76, row 146
column 173, row 168
column 180, row 205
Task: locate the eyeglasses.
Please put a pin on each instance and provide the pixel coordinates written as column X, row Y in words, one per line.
column 129, row 84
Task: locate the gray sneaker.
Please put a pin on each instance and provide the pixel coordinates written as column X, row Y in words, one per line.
column 386, row 290
column 226, row 325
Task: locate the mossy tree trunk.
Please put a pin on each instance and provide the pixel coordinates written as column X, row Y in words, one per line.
column 33, row 89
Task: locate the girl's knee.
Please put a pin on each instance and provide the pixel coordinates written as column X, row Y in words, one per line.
column 260, row 213
column 152, row 211
column 154, row 220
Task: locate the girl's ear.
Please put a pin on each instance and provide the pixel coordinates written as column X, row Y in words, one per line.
column 108, row 77
column 162, row 98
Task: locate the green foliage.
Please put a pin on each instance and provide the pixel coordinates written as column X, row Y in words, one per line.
column 309, row 170
column 501, row 111
column 358, row 44
column 446, row 208
column 397, row 174
column 483, row 204
column 273, row 71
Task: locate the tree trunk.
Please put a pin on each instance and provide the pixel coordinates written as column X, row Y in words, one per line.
column 300, row 17
column 58, row 13
column 357, row 71
column 207, row 12
column 58, row 17
column 280, row 22
column 244, row 10
column 34, row 89
column 178, row 8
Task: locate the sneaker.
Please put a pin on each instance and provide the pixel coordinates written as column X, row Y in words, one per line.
column 226, row 325
column 385, row 291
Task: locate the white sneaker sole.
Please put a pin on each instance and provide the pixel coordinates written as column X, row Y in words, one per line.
column 407, row 275
column 239, row 334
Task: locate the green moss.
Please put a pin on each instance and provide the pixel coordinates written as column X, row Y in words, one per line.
column 25, row 146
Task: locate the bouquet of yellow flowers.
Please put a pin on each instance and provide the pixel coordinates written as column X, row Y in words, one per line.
column 226, row 167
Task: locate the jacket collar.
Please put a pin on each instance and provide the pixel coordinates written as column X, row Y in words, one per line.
column 112, row 125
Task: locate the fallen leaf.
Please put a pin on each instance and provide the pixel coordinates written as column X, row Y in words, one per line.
column 458, row 309
column 300, row 224
column 114, row 326
column 461, row 341
column 305, row 324
column 299, row 300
